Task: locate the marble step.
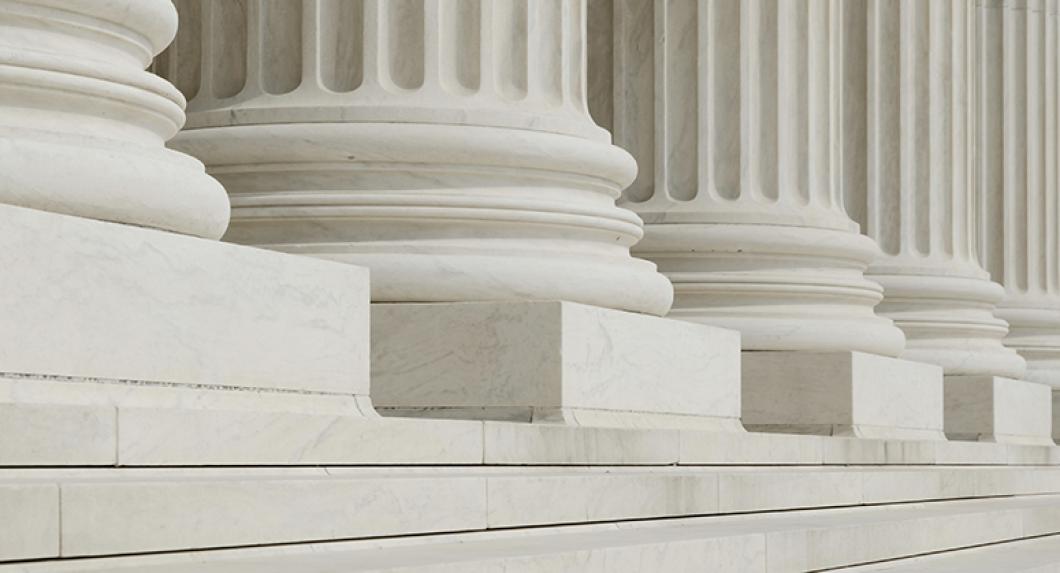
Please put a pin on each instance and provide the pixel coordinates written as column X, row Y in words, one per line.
column 155, row 427
column 807, row 540
column 76, row 513
column 1040, row 555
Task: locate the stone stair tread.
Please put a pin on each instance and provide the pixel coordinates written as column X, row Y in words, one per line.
column 1041, row 555
column 772, row 542
column 104, row 511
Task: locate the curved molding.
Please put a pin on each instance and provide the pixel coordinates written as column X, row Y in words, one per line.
column 83, row 126
column 950, row 321
column 782, row 287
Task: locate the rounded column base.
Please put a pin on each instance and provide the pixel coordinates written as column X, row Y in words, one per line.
column 782, row 287
column 949, row 321
column 111, row 181
column 83, row 126
column 1034, row 332
column 440, row 213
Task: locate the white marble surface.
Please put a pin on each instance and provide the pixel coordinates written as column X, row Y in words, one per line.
column 750, row 490
column 782, row 542
column 842, row 393
column 157, row 437
column 100, row 300
column 1028, row 556
column 998, row 410
column 29, row 527
column 552, row 360
column 604, row 497
column 509, row 443
column 139, row 510
column 57, row 435
column 106, row 518
column 82, row 125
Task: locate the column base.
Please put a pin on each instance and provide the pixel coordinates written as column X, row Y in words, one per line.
column 553, row 362
column 842, row 394
column 996, row 409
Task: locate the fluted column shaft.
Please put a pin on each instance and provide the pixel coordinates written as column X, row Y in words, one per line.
column 731, row 110
column 446, row 145
column 82, row 125
column 910, row 180
column 1018, row 115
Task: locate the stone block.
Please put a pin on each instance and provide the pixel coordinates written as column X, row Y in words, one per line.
column 99, row 300
column 29, row 521
column 553, row 362
column 157, row 437
column 842, row 394
column 995, row 409
column 55, row 435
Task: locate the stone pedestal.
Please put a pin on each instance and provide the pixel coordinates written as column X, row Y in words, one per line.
column 113, row 303
column 446, row 146
column 995, row 409
column 553, row 362
column 82, row 125
column 730, row 109
column 909, row 159
column 842, row 394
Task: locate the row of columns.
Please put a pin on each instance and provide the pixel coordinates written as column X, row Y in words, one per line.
column 793, row 156
column 766, row 130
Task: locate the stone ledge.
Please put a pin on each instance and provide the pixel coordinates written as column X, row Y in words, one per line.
column 995, row 409
column 553, row 362
column 851, row 394
column 105, row 434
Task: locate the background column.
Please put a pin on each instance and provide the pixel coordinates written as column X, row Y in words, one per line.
column 1017, row 138
column 447, row 146
column 909, row 179
column 731, row 111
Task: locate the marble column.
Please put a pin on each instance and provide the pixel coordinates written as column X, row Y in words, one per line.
column 1018, row 57
column 909, row 178
column 446, row 145
column 731, row 110
column 82, row 125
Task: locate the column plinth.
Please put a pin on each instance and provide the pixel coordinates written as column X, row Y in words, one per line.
column 82, row 124
column 729, row 109
column 445, row 145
